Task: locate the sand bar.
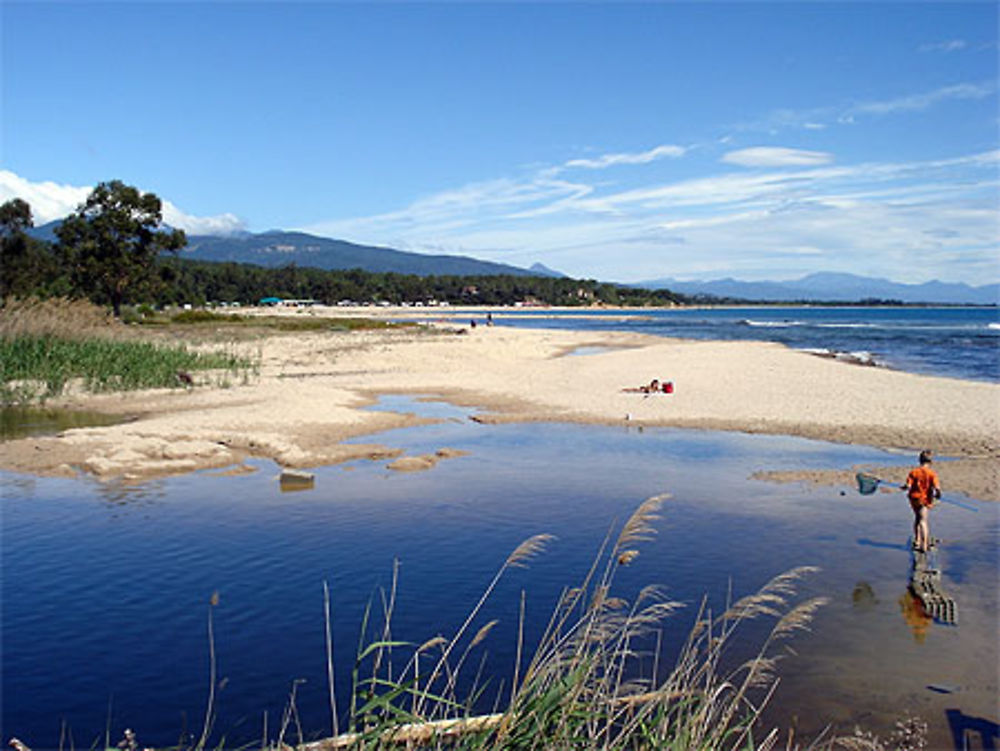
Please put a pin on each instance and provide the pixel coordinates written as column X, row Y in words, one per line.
column 312, row 388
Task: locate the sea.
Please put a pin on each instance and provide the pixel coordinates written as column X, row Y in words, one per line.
column 957, row 342
column 194, row 605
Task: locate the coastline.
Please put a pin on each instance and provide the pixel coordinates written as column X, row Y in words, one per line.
column 313, row 388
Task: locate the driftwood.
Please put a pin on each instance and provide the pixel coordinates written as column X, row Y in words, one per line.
column 443, row 730
column 417, row 732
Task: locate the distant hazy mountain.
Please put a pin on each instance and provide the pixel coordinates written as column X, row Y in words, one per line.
column 540, row 269
column 278, row 248
column 46, row 232
column 282, row 248
column 835, row 288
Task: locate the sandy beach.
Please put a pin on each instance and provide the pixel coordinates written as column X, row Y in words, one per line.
column 312, row 388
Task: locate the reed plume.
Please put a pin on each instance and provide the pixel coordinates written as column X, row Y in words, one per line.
column 588, row 682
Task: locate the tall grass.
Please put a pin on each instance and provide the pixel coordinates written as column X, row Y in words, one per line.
column 584, row 686
column 45, row 345
column 58, row 317
column 40, row 366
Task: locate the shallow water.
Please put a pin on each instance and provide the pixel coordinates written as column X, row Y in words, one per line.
column 21, row 422
column 106, row 587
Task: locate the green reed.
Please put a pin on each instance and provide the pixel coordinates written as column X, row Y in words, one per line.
column 40, row 366
column 591, row 682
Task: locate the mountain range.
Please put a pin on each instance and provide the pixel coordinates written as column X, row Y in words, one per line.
column 279, row 248
column 834, row 287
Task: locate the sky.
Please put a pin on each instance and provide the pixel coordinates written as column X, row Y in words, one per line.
column 615, row 141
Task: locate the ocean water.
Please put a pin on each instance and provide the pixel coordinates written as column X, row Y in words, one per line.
column 954, row 342
column 107, row 587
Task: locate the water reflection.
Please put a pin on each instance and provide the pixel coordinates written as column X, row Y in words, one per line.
column 294, row 481
column 863, row 596
column 926, row 589
column 915, row 615
column 120, row 493
column 922, row 602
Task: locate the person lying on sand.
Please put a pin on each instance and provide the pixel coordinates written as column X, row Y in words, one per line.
column 652, row 388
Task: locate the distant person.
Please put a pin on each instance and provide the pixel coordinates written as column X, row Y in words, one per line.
column 923, row 487
column 652, row 388
column 489, row 319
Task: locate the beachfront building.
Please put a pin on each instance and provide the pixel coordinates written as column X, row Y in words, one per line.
column 278, row 301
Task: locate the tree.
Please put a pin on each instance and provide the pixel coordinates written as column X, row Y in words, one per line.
column 15, row 218
column 27, row 266
column 113, row 240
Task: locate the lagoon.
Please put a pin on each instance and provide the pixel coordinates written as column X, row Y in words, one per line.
column 106, row 586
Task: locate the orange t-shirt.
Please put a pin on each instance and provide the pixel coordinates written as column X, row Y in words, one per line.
column 920, row 483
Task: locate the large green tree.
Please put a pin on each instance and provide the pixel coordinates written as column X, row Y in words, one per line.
column 112, row 243
column 27, row 266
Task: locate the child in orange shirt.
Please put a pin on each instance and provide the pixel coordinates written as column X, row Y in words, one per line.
column 923, row 488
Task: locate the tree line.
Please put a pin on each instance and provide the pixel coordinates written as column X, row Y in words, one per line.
column 199, row 282
column 114, row 250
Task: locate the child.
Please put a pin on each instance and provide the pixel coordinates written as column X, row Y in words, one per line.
column 923, row 488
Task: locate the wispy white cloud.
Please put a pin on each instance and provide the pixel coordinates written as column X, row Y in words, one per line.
column 50, row 201
column 895, row 219
column 642, row 157
column 949, row 45
column 776, row 156
column 927, row 99
column 819, row 118
column 461, row 208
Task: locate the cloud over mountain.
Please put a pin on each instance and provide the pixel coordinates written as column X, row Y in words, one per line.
column 50, row 201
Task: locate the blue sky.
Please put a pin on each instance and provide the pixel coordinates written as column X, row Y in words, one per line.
column 614, row 141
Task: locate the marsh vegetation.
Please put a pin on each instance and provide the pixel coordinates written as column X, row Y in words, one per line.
column 44, row 346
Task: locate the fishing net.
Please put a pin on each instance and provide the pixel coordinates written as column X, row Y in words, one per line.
column 867, row 484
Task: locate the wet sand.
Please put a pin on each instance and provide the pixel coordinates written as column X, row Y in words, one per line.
column 313, row 387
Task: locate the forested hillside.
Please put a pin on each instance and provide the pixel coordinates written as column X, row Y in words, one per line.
column 198, row 282
column 114, row 251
